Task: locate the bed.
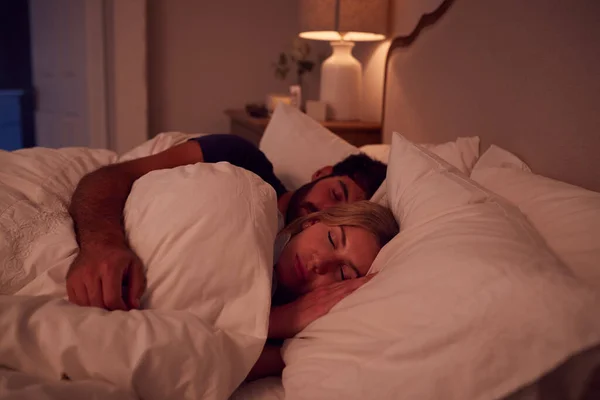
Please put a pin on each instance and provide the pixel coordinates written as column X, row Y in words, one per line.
column 490, row 291
column 517, row 76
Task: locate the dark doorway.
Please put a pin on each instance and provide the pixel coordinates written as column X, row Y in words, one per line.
column 16, row 88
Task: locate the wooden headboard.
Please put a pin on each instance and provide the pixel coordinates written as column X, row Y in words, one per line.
column 520, row 74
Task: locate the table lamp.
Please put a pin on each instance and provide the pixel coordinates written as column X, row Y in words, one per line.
column 342, row 22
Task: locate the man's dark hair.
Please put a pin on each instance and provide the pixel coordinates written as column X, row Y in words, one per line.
column 362, row 169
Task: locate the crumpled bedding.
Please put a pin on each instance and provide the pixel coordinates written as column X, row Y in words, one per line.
column 204, row 316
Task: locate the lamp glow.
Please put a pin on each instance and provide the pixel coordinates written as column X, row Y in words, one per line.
column 342, row 22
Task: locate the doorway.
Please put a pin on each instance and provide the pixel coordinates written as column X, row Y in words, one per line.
column 16, row 88
column 81, row 71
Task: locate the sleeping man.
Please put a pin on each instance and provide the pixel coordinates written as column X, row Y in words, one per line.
column 108, row 274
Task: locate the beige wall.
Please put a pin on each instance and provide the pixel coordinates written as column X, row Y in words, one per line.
column 372, row 56
column 127, row 104
column 206, row 56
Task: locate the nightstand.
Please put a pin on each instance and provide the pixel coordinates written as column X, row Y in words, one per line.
column 358, row 133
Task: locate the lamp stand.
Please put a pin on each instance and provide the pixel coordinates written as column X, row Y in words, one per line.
column 341, row 83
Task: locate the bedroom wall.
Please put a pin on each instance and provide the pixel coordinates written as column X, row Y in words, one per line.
column 206, row 56
column 373, row 57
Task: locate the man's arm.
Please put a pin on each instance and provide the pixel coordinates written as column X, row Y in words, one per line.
column 105, row 261
column 103, row 193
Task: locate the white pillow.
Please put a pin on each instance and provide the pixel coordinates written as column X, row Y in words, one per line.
column 495, row 157
column 298, row 146
column 462, row 153
column 468, row 303
column 205, row 232
column 567, row 216
column 379, row 152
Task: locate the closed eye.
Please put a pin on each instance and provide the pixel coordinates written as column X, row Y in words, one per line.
column 335, row 195
column 344, row 188
column 349, row 273
column 330, row 239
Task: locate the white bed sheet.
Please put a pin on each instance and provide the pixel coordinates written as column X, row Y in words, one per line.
column 263, row 389
column 15, row 385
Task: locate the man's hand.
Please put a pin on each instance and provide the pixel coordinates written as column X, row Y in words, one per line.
column 289, row 319
column 109, row 277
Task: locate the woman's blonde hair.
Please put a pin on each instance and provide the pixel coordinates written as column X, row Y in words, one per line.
column 365, row 214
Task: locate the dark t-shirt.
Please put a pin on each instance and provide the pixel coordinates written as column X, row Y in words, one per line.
column 241, row 153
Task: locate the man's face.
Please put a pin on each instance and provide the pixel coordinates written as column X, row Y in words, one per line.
column 323, row 193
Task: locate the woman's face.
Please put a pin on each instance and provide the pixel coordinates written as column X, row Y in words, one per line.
column 322, row 254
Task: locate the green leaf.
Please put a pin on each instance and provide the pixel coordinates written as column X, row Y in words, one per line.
column 306, row 65
column 282, row 58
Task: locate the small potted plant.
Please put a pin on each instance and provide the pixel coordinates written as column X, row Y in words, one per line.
column 297, row 61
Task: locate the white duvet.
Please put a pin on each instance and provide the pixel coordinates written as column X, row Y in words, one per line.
column 205, row 235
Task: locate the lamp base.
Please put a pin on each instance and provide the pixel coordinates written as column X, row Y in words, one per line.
column 341, row 83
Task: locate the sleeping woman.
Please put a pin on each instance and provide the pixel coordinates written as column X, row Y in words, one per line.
column 320, row 259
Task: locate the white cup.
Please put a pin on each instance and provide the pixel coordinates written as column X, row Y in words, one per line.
column 274, row 99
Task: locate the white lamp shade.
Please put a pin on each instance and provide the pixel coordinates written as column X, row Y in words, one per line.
column 351, row 20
